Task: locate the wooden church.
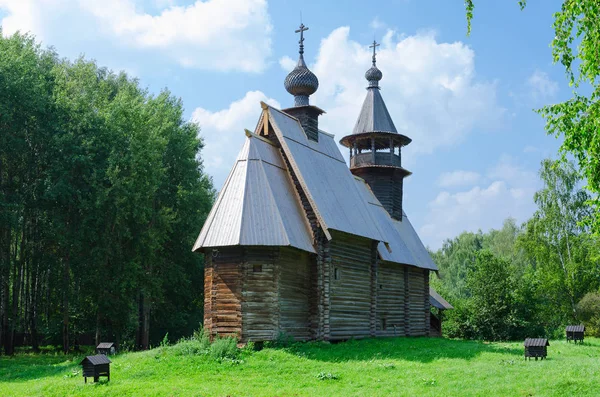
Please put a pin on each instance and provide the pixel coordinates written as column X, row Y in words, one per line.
column 298, row 243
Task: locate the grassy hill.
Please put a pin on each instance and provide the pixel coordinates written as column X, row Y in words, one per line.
column 375, row 367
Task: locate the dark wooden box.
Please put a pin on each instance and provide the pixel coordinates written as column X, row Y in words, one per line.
column 95, row 367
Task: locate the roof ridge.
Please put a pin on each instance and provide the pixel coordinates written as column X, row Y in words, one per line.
column 251, row 134
column 296, row 169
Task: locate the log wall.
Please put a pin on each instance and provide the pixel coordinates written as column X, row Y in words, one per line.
column 255, row 293
column 223, row 292
column 350, row 293
column 417, row 315
column 390, row 300
column 260, row 307
column 387, row 186
column 295, row 293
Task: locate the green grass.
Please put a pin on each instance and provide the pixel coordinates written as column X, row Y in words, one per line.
column 375, row 367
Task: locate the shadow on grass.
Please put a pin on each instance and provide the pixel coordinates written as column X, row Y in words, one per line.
column 22, row 367
column 411, row 349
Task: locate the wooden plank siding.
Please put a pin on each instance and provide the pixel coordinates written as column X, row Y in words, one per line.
column 323, row 287
column 418, row 306
column 350, row 293
column 260, row 307
column 223, row 292
column 294, row 293
column 390, row 300
column 387, row 185
column 255, row 293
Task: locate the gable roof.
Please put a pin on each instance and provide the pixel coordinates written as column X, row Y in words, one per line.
column 96, row 360
column 257, row 205
column 105, row 345
column 536, row 342
column 325, row 178
column 575, row 328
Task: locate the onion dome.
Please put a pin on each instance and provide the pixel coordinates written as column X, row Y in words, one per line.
column 374, row 75
column 301, row 82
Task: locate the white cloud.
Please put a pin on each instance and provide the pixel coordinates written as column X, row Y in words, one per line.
column 212, row 34
column 223, row 132
column 506, row 191
column 429, row 88
column 287, row 63
column 509, row 170
column 377, row 23
column 458, row 178
column 541, row 86
column 21, row 15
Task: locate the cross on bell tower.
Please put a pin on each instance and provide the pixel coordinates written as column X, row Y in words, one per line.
column 301, row 30
column 374, row 47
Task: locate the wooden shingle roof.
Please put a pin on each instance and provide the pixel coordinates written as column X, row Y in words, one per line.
column 258, row 204
column 575, row 328
column 96, row 360
column 536, row 342
column 436, row 300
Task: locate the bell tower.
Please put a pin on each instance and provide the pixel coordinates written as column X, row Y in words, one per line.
column 375, row 146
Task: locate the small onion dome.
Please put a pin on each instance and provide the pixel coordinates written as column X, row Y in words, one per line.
column 373, row 76
column 301, row 83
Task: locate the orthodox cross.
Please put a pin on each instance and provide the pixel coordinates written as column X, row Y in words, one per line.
column 301, row 31
column 374, row 47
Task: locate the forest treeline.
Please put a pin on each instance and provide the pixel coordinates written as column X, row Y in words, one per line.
column 101, row 194
column 526, row 280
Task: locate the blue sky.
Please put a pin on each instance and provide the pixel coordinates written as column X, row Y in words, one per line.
column 465, row 101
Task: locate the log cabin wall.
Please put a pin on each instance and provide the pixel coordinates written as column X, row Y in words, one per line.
column 208, row 298
column 417, row 315
column 427, row 305
column 295, row 293
column 374, row 275
column 387, row 186
column 322, row 284
column 350, row 287
column 254, row 293
column 260, row 282
column 223, row 291
column 391, row 300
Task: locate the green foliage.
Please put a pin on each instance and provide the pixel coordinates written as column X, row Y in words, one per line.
column 369, row 367
column 192, row 347
column 470, row 6
column 165, row 341
column 589, row 312
column 559, row 247
column 224, row 348
column 102, row 190
column 201, row 335
column 491, row 311
column 327, row 376
column 492, row 302
column 523, row 281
